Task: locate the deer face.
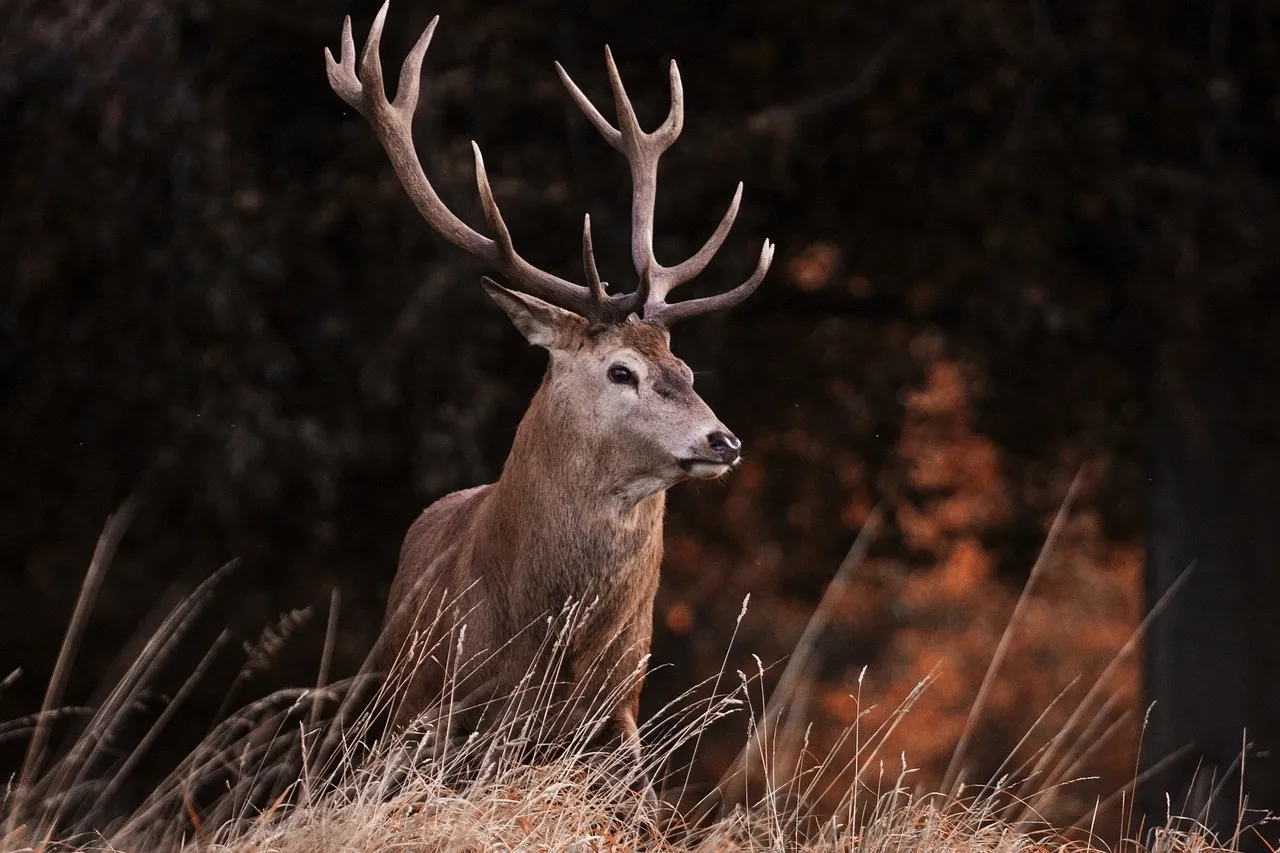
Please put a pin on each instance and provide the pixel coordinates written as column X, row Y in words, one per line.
column 626, row 396
column 642, row 399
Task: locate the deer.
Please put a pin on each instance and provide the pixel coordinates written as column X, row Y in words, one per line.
column 577, row 512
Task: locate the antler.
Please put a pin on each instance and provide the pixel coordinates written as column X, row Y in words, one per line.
column 642, row 151
column 393, row 123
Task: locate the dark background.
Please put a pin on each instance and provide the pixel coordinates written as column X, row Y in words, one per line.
column 1014, row 239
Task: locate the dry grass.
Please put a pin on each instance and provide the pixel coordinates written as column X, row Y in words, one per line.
column 305, row 770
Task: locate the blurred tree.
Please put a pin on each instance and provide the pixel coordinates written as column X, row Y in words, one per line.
column 1213, row 655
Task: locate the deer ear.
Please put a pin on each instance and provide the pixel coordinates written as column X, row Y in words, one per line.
column 541, row 323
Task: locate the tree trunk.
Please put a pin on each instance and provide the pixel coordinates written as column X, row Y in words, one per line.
column 1213, row 656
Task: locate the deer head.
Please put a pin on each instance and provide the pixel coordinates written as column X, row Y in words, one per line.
column 621, row 400
column 613, row 380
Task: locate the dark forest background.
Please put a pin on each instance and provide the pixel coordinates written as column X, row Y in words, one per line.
column 1017, row 240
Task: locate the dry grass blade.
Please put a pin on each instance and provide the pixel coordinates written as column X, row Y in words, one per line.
column 112, row 532
column 785, row 693
column 166, row 716
column 73, row 769
column 1002, row 648
column 10, row 679
column 326, row 655
column 1050, row 756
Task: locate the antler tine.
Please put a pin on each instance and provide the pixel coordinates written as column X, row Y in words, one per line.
column 411, row 71
column 393, row 123
column 492, row 215
column 628, row 125
column 690, row 269
column 669, row 313
column 342, row 74
column 371, row 60
column 589, row 265
column 608, row 131
column 671, row 127
column 641, row 295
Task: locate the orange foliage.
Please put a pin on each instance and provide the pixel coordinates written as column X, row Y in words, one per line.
column 934, row 599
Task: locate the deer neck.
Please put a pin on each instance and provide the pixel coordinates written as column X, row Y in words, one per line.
column 560, row 483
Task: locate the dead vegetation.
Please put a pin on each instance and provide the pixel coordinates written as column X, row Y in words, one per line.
column 306, row 770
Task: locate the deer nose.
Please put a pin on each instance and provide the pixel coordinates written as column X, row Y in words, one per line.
column 725, row 445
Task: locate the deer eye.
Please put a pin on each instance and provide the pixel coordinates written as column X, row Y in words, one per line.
column 620, row 374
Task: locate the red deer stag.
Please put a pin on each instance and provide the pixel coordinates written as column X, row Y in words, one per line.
column 577, row 512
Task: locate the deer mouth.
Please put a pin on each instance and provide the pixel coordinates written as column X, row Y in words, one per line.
column 704, row 469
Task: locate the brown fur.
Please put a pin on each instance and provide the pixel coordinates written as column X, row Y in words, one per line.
column 565, row 521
